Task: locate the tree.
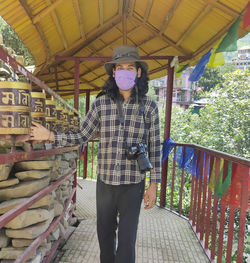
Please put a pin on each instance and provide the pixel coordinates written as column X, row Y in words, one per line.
column 223, row 124
column 11, row 39
column 210, row 78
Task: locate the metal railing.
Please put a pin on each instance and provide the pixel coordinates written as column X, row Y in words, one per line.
column 219, row 223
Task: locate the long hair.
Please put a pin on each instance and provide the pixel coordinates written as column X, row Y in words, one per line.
column 110, row 88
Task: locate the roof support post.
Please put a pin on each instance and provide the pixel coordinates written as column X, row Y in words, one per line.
column 76, row 105
column 169, row 95
column 76, row 91
column 85, row 156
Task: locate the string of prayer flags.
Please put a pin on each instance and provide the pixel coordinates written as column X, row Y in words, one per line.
column 197, row 72
column 229, row 42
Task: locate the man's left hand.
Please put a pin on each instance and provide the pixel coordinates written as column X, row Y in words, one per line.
column 150, row 196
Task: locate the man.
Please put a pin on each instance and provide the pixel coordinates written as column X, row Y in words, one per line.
column 128, row 123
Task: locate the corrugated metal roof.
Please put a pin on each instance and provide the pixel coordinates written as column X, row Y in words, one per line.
column 94, row 27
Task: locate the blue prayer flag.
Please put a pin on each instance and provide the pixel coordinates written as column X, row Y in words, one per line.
column 197, row 72
column 168, row 145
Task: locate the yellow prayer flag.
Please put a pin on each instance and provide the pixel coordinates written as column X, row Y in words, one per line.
column 212, row 177
column 216, row 59
column 177, row 74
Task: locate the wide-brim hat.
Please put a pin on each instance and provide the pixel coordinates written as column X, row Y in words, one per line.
column 124, row 54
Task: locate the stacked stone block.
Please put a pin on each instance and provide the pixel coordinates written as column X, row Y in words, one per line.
column 18, row 182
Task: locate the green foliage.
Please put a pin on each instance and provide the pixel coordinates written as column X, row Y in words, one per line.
column 11, row 39
column 210, row 78
column 223, row 124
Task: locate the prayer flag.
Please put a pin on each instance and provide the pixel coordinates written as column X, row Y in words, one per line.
column 168, row 145
column 246, row 18
column 222, row 186
column 212, row 177
column 229, row 42
column 180, row 69
column 197, row 72
column 233, row 196
column 216, row 59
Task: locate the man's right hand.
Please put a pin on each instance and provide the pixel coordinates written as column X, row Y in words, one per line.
column 40, row 133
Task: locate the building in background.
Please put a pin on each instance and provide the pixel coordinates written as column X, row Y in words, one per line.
column 242, row 61
column 183, row 93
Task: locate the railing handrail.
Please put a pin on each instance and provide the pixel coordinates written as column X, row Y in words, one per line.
column 21, row 69
column 34, row 154
column 226, row 156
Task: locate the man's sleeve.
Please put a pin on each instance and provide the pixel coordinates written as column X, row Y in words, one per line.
column 89, row 127
column 155, row 147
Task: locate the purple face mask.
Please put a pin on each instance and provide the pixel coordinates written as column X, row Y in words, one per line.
column 125, row 79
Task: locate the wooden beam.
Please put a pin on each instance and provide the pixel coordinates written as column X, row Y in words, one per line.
column 120, row 6
column 81, row 43
column 131, row 7
column 124, row 29
column 46, row 11
column 101, row 19
column 58, row 25
column 148, row 9
column 56, row 78
column 107, row 45
column 38, row 29
column 125, row 7
column 169, row 16
column 226, row 9
column 156, row 32
column 77, row 10
column 81, row 77
column 90, row 37
column 194, row 24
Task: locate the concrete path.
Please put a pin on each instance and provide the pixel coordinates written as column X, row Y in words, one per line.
column 162, row 236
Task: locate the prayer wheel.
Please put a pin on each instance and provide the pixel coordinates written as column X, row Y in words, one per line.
column 59, row 119
column 76, row 123
column 14, row 107
column 50, row 114
column 71, row 121
column 38, row 107
column 66, row 120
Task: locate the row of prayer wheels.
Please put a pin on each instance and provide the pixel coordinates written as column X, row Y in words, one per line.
column 19, row 106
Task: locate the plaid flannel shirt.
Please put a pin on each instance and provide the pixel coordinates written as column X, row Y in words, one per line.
column 103, row 118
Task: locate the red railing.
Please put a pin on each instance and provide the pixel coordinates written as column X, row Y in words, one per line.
column 219, row 223
column 21, row 156
column 8, row 216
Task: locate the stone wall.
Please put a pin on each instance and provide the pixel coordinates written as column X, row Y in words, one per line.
column 18, row 182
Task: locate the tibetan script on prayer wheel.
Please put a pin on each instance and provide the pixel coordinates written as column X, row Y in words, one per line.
column 71, row 121
column 14, row 107
column 38, row 107
column 66, row 120
column 76, row 123
column 50, row 115
column 59, row 119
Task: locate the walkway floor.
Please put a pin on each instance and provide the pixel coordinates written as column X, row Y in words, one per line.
column 162, row 236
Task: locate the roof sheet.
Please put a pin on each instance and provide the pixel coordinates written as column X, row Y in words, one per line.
column 94, row 27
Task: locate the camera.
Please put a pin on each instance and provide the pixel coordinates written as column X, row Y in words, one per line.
column 139, row 153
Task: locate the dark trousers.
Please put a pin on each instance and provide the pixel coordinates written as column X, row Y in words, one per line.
column 118, row 207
